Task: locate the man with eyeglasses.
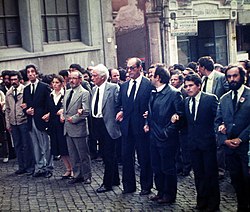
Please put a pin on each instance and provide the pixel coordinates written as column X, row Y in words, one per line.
column 133, row 103
column 233, row 126
column 76, row 128
column 16, row 124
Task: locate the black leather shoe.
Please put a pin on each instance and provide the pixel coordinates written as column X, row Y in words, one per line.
column 126, row 191
column 38, row 174
column 103, row 189
column 155, row 197
column 165, row 200
column 75, row 180
column 144, row 192
column 87, row 181
column 48, row 174
column 19, row 172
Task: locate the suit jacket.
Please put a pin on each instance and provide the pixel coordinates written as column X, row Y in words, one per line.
column 109, row 109
column 39, row 103
column 237, row 122
column 140, row 106
column 220, row 84
column 162, row 106
column 201, row 133
column 80, row 100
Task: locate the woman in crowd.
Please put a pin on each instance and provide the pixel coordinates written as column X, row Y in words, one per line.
column 58, row 140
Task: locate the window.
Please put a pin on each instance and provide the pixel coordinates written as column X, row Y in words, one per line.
column 60, row 20
column 10, row 35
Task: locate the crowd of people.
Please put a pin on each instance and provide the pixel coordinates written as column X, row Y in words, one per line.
column 170, row 119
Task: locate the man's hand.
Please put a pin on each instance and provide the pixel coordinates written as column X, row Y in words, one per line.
column 119, row 116
column 222, row 129
column 175, row 118
column 145, row 115
column 70, row 119
column 233, row 143
column 30, row 111
column 46, row 117
column 62, row 119
column 146, row 128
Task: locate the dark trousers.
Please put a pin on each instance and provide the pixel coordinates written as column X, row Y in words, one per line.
column 204, row 163
column 23, row 147
column 164, row 169
column 183, row 161
column 108, row 145
column 237, row 163
column 140, row 143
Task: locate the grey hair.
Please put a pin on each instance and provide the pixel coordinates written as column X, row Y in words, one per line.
column 102, row 70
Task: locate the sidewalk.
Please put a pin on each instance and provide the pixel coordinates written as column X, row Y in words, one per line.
column 24, row 193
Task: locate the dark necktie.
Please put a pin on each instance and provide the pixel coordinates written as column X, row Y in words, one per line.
column 193, row 108
column 132, row 92
column 205, row 84
column 69, row 98
column 96, row 102
column 33, row 91
column 235, row 99
column 15, row 94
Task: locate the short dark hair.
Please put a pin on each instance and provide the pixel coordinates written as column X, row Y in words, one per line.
column 16, row 73
column 64, row 73
column 206, row 62
column 163, row 73
column 32, row 66
column 179, row 66
column 76, row 66
column 194, row 78
column 122, row 74
column 5, row 73
column 192, row 65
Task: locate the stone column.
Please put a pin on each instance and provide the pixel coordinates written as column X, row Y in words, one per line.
column 155, row 48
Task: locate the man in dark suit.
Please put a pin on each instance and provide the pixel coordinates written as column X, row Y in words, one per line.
column 214, row 82
column 164, row 103
column 133, row 102
column 233, row 121
column 35, row 97
column 105, row 128
column 200, row 110
column 76, row 128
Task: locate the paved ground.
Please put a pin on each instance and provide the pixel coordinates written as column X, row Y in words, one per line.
column 23, row 193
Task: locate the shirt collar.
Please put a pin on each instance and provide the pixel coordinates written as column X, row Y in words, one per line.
column 198, row 96
column 61, row 92
column 160, row 88
column 211, row 75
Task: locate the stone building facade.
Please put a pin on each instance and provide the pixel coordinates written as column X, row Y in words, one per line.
column 54, row 34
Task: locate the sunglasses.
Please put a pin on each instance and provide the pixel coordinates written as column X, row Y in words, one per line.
column 132, row 68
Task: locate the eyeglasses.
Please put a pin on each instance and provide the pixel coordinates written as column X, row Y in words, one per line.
column 132, row 68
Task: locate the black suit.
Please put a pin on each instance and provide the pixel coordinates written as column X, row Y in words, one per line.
column 39, row 103
column 237, row 126
column 164, row 139
column 38, row 127
column 133, row 136
column 202, row 141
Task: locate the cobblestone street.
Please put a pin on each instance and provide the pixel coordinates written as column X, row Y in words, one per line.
column 24, row 193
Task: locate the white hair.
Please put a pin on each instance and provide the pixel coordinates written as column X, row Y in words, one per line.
column 102, row 70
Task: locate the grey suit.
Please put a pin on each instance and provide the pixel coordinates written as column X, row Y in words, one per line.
column 77, row 131
column 237, row 126
column 107, row 131
column 220, row 85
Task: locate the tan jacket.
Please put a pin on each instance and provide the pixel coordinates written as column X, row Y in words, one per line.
column 13, row 111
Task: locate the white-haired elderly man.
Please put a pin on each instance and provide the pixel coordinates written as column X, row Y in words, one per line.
column 105, row 128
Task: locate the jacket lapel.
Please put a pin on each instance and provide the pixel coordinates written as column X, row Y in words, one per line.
column 105, row 95
column 76, row 95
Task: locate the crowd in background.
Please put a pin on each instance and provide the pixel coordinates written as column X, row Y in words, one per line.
column 171, row 119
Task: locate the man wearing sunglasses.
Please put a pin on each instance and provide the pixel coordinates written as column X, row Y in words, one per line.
column 133, row 103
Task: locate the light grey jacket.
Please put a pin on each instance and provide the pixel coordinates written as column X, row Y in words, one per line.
column 109, row 110
column 80, row 100
column 14, row 114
